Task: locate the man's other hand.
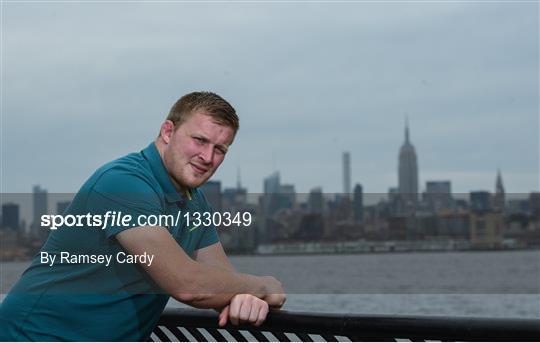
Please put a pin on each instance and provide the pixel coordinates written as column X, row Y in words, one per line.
column 244, row 308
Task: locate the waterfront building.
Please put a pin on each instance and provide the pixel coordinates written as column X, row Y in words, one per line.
column 311, row 227
column 486, row 230
column 534, row 205
column 517, row 206
column 445, row 225
column 10, row 216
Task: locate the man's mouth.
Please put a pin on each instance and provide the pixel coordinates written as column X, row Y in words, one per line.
column 198, row 169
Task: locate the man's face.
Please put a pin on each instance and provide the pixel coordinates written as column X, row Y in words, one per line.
column 195, row 149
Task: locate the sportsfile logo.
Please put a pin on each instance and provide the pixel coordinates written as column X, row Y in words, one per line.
column 192, row 220
column 109, row 219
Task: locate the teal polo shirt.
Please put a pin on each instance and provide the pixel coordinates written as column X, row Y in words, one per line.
column 91, row 301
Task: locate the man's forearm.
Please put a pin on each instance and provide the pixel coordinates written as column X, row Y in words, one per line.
column 192, row 282
column 213, row 287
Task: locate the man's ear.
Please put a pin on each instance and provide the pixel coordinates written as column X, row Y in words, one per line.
column 166, row 131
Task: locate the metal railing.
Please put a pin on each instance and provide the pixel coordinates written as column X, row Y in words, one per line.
column 284, row 326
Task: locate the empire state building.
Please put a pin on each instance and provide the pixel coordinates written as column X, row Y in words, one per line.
column 408, row 172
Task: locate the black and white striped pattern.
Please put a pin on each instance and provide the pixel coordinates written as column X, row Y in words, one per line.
column 171, row 334
column 282, row 326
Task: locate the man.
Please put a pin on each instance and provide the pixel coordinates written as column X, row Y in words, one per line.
column 63, row 296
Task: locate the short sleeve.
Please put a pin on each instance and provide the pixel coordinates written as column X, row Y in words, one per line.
column 209, row 234
column 208, row 237
column 123, row 193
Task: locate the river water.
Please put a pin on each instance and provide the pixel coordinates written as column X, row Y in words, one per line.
column 488, row 284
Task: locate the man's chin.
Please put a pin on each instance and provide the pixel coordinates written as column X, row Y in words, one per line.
column 197, row 181
column 192, row 182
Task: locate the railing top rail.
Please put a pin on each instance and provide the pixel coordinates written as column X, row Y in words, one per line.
column 371, row 327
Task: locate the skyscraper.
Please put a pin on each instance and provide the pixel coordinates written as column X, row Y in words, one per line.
column 62, row 206
column 10, row 216
column 499, row 200
column 358, row 203
column 408, row 172
column 40, row 208
column 288, row 192
column 235, row 197
column 272, row 199
column 438, row 195
column 346, row 174
column 316, row 201
column 480, row 201
column 271, row 184
column 212, row 192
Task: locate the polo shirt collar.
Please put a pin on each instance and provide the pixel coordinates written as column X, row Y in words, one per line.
column 151, row 154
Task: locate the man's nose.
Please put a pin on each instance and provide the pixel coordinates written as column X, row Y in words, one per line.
column 207, row 154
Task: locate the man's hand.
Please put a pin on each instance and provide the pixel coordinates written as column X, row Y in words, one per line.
column 244, row 308
column 275, row 295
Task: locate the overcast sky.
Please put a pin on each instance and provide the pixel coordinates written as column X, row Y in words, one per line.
column 85, row 83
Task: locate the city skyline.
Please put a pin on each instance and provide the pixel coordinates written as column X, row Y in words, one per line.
column 406, row 185
column 272, row 184
column 406, row 155
column 86, row 95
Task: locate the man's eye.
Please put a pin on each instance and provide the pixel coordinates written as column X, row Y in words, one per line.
column 199, row 140
column 221, row 151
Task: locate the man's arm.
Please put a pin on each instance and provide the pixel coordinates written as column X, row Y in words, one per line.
column 214, row 255
column 192, row 282
column 244, row 308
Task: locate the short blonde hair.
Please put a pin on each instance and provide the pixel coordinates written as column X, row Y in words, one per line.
column 210, row 103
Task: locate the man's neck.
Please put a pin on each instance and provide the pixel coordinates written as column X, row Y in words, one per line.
column 182, row 190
